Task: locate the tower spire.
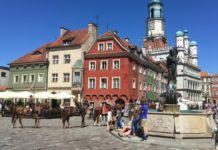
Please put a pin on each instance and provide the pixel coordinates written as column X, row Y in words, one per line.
column 155, row 26
column 155, row 20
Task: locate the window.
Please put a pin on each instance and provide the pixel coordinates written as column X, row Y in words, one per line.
column 109, row 46
column 134, row 66
column 66, row 59
column 104, row 65
column 140, row 86
column 3, row 74
column 152, row 13
column 32, row 78
column 24, row 78
column 77, row 77
column 40, row 77
column 16, row 78
column 67, row 42
column 103, row 83
column 91, row 84
column 144, row 86
column 140, row 70
column 116, row 64
column 100, row 46
column 116, row 83
column 133, row 83
column 55, row 59
column 54, row 77
column 92, row 65
column 66, row 77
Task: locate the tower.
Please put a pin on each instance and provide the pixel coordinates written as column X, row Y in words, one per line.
column 194, row 52
column 155, row 26
column 180, row 46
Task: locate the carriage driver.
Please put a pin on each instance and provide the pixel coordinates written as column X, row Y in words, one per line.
column 30, row 104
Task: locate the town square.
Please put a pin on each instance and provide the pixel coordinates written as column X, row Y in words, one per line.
column 85, row 75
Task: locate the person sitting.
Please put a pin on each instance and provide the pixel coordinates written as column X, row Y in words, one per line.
column 126, row 130
column 135, row 121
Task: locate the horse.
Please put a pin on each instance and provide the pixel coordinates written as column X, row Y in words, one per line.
column 98, row 111
column 67, row 112
column 19, row 112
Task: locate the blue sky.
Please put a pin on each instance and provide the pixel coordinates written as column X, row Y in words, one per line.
column 27, row 24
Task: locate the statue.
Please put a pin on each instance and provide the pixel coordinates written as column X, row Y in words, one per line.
column 171, row 65
column 171, row 95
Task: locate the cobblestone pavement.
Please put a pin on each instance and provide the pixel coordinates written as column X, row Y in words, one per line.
column 51, row 136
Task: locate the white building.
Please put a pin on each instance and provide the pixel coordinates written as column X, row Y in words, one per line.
column 66, row 58
column 206, row 86
column 188, row 73
column 4, row 76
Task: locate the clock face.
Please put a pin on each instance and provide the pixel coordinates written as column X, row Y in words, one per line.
column 151, row 26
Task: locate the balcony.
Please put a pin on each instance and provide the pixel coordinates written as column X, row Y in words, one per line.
column 76, row 86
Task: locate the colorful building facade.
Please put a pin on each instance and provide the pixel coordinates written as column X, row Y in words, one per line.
column 214, row 88
column 29, row 73
column 114, row 69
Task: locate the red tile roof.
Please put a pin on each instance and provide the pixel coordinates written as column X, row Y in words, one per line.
column 3, row 88
column 38, row 55
column 204, row 74
column 77, row 37
column 123, row 42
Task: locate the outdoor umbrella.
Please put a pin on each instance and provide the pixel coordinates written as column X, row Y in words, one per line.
column 7, row 94
column 44, row 95
column 24, row 94
column 63, row 95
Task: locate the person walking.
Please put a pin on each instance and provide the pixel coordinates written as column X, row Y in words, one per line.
column 1, row 108
column 143, row 118
column 119, row 117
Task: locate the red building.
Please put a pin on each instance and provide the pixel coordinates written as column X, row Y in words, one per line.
column 214, row 88
column 114, row 69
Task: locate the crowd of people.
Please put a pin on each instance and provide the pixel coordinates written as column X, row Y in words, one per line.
column 137, row 116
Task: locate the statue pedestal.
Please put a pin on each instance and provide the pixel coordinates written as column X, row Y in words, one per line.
column 180, row 125
column 171, row 108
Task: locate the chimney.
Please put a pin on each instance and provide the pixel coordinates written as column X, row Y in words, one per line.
column 92, row 28
column 63, row 31
column 126, row 39
column 115, row 32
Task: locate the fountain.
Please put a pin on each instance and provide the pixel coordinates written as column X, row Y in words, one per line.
column 173, row 123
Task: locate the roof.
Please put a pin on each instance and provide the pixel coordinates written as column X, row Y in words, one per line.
column 3, row 88
column 179, row 33
column 193, row 43
column 78, row 64
column 38, row 55
column 155, row 1
column 76, row 37
column 4, row 68
column 123, row 42
column 204, row 74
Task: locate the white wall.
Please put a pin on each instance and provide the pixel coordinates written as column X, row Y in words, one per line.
column 4, row 80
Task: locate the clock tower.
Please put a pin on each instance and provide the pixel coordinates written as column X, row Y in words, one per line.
column 155, row 26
